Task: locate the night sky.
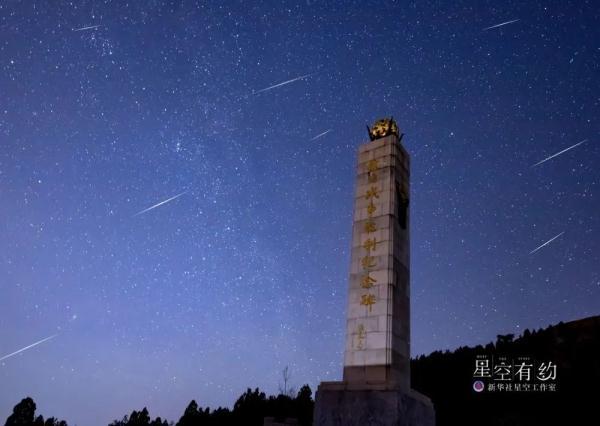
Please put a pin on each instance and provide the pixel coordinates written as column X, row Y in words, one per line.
column 110, row 108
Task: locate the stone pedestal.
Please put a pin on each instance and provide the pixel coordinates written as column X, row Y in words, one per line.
column 340, row 404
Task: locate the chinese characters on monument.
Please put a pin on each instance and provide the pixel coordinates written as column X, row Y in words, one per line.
column 376, row 374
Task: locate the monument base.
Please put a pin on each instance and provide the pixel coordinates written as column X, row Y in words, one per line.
column 342, row 404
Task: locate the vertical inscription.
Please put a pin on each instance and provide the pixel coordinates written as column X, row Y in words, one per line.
column 361, row 335
column 378, row 319
column 368, row 261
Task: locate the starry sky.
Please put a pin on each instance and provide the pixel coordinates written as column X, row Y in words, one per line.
column 109, row 108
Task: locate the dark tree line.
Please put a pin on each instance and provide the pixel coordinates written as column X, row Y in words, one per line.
column 446, row 377
column 139, row 418
column 250, row 409
column 24, row 415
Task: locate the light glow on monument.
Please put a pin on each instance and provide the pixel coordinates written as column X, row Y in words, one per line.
column 377, row 352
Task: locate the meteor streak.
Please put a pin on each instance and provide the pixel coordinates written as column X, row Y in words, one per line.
column 558, row 153
column 283, row 83
column 546, row 243
column 321, row 134
column 92, row 27
column 500, row 25
column 28, row 347
column 160, row 204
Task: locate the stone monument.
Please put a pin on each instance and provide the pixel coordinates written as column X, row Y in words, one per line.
column 376, row 385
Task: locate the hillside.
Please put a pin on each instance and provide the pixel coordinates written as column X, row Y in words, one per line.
column 574, row 347
column 447, row 377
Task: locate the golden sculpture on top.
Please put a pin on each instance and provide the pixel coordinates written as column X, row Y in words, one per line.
column 383, row 128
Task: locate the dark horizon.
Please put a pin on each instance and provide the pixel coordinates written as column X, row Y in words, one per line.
column 575, row 344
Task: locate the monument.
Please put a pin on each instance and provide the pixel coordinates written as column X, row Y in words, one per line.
column 376, row 379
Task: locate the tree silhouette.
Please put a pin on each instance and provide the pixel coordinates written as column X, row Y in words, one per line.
column 54, row 422
column 285, row 389
column 24, row 414
column 250, row 407
column 447, row 378
column 504, row 340
column 194, row 415
column 304, row 405
column 139, row 418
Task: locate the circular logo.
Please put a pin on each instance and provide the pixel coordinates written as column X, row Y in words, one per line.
column 478, row 386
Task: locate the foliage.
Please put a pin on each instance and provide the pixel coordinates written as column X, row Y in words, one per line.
column 24, row 415
column 447, row 378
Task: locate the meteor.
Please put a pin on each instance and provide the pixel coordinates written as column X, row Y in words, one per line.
column 283, row 83
column 92, row 27
column 546, row 243
column 161, row 203
column 500, row 25
column 321, row 134
column 28, row 347
column 558, row 153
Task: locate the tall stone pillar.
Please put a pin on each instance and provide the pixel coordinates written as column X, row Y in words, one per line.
column 376, row 382
column 378, row 315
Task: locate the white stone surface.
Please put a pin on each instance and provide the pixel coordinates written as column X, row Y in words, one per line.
column 383, row 330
